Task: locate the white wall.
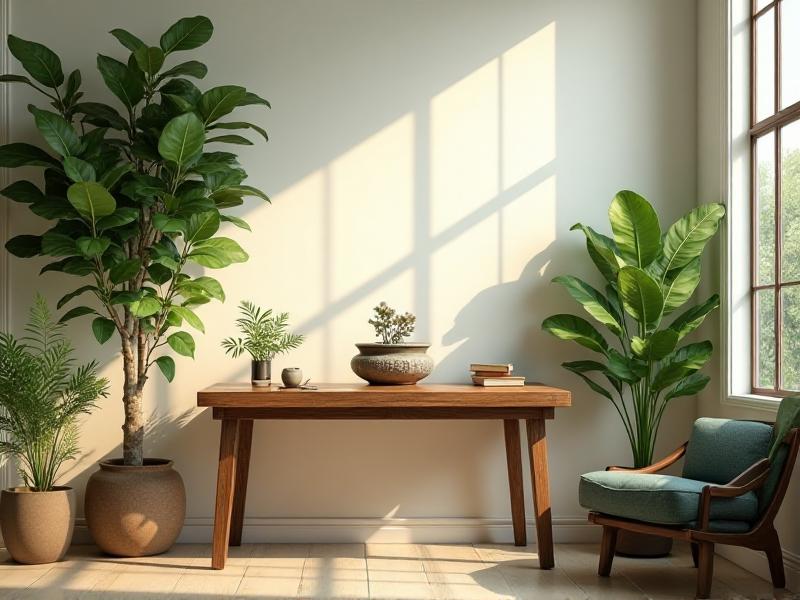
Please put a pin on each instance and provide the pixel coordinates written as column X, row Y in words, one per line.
column 432, row 154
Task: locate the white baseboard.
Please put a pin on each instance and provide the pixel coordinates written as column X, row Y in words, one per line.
column 387, row 531
column 756, row 562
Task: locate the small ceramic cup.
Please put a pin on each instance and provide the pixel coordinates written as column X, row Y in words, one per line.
column 292, row 377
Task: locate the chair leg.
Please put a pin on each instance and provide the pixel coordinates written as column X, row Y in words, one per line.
column 607, row 548
column 695, row 554
column 705, row 569
column 775, row 558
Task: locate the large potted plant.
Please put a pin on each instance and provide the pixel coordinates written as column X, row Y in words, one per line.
column 42, row 394
column 136, row 197
column 646, row 277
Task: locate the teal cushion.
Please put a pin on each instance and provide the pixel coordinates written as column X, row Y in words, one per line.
column 770, row 486
column 655, row 498
column 720, row 449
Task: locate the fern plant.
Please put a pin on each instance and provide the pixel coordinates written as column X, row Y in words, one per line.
column 265, row 335
column 42, row 393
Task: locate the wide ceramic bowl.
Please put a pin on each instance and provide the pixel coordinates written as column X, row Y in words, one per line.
column 392, row 364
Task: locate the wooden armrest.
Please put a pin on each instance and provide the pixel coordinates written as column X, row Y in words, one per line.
column 658, row 466
column 750, row 479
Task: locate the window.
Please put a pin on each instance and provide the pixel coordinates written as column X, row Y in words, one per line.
column 775, row 195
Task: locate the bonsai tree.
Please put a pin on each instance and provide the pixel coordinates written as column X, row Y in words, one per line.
column 135, row 196
column 265, row 335
column 391, row 327
column 647, row 278
column 42, row 393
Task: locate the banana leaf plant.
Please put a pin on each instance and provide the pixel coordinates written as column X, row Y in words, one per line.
column 136, row 195
column 647, row 278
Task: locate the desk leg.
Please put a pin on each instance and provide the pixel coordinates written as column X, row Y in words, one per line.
column 514, row 460
column 226, row 471
column 537, row 443
column 240, row 486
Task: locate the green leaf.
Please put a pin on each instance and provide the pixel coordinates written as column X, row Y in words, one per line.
column 145, row 307
column 216, row 253
column 189, row 316
column 91, row 200
column 25, row 246
column 53, row 208
column 592, row 301
column 596, row 387
column 656, row 346
column 103, row 329
column 202, row 226
column 241, row 223
column 101, row 115
column 683, row 362
column 126, row 297
column 694, row 356
column 122, row 82
column 159, row 273
column 230, row 139
column 124, row 271
column 626, row 369
column 219, row 101
column 186, row 34
column 688, row 386
column 150, row 60
column 167, row 366
column 73, row 266
column 58, row 244
column 168, row 224
column 127, row 39
column 79, row 170
column 78, row 311
column 192, row 68
column 20, row 154
column 73, row 84
column 640, row 294
column 10, row 78
column 182, row 139
column 42, row 63
column 57, row 132
column 686, row 238
column 602, row 251
column 122, row 216
column 570, row 327
column 23, row 191
column 636, row 229
column 182, row 343
column 202, row 285
column 680, row 288
column 113, row 175
column 91, row 246
column 693, row 317
column 252, row 98
column 241, row 125
column 75, row 293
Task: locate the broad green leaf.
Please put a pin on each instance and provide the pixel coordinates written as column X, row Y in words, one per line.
column 693, row 317
column 73, row 266
column 602, row 251
column 58, row 244
column 126, row 297
column 188, row 316
column 145, row 307
column 53, row 208
column 22, row 191
column 192, row 68
column 127, row 39
column 241, row 125
column 202, row 226
column 593, row 302
column 216, row 253
column 182, row 139
column 219, row 101
column 91, row 200
column 101, row 115
column 640, row 294
column 103, row 329
column 626, row 369
column 79, row 170
column 168, row 224
column 11, row 78
column 655, row 346
column 73, row 84
column 253, row 98
column 636, row 229
column 596, row 387
column 167, row 366
column 240, row 223
column 91, row 247
column 20, row 154
column 193, row 301
column 686, row 238
column 182, row 343
column 694, row 356
column 202, row 285
column 150, row 60
column 230, row 139
column 122, row 216
column 570, row 327
column 57, row 132
column 120, row 80
column 124, row 271
column 678, row 289
column 78, row 311
column 74, row 294
column 159, row 273
column 25, row 246
column 683, row 362
column 688, row 386
column 245, row 190
column 113, row 175
column 186, row 34
column 42, row 63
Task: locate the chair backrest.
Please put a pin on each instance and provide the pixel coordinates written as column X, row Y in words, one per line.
column 720, row 449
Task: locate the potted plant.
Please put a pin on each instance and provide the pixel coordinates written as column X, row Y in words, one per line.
column 42, row 394
column 392, row 361
column 647, row 277
column 265, row 337
column 136, row 197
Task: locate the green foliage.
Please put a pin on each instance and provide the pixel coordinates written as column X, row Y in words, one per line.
column 42, row 393
column 265, row 335
column 134, row 195
column 391, row 327
column 648, row 277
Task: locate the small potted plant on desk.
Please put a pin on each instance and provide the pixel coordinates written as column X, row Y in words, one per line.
column 265, row 337
column 42, row 394
column 391, row 361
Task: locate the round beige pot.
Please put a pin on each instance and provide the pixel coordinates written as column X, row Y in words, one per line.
column 135, row 511
column 392, row 364
column 642, row 545
column 37, row 526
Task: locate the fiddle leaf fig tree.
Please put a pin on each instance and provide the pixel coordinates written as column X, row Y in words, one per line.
column 647, row 277
column 136, row 192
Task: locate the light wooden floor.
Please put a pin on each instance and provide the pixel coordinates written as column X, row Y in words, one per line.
column 402, row 571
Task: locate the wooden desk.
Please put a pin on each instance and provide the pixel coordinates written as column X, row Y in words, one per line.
column 237, row 405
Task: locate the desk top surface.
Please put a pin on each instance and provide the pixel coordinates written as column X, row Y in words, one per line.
column 393, row 396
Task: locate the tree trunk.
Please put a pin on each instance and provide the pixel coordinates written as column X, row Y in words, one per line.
column 133, row 428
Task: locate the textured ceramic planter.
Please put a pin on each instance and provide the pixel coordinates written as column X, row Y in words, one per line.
column 135, row 511
column 292, row 377
column 261, row 373
column 392, row 364
column 642, row 545
column 37, row 526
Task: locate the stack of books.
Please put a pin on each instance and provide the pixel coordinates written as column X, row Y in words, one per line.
column 492, row 375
